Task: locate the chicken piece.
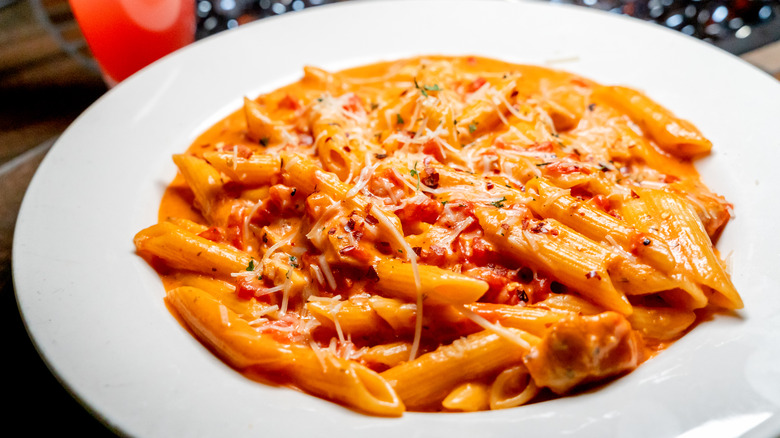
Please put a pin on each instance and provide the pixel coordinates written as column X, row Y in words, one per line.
column 582, row 349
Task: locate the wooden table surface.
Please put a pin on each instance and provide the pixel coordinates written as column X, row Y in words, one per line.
column 42, row 90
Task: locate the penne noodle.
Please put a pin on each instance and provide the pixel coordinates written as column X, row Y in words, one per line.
column 439, row 233
column 427, row 380
column 576, row 261
column 253, row 171
column 674, row 135
column 242, row 347
column 438, row 286
column 468, row 397
column 513, row 387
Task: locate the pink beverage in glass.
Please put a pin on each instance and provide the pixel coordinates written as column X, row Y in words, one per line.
column 127, row 35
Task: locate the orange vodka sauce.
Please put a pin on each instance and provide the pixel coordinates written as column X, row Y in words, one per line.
column 442, row 233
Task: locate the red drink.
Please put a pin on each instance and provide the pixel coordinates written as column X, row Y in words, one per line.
column 127, row 35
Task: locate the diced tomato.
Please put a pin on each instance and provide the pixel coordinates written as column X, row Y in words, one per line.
column 353, row 104
column 244, row 292
column 234, row 229
column 241, row 150
column 560, row 167
column 213, row 234
column 290, row 103
column 601, row 202
column 476, row 84
column 420, row 209
column 545, row 146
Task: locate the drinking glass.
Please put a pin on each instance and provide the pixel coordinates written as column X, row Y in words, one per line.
column 126, row 35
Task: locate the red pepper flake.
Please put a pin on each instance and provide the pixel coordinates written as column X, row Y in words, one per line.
column 347, row 250
column 669, row 179
column 538, row 227
column 383, row 247
column 371, row 275
column 593, row 274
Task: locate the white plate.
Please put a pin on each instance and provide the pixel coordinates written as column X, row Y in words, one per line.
column 95, row 309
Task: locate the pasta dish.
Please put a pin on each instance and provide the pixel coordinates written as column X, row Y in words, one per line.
column 441, row 234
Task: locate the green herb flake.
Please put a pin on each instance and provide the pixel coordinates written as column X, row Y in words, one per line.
column 399, row 120
column 264, row 141
column 251, row 266
column 426, row 88
column 415, row 174
column 472, row 127
column 499, row 203
column 422, row 90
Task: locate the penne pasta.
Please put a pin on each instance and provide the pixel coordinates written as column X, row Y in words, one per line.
column 440, row 233
column 427, row 380
column 674, row 135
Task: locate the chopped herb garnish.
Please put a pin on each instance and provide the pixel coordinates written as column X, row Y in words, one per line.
column 251, row 266
column 499, row 203
column 399, row 120
column 426, row 88
column 264, row 141
column 293, row 261
column 472, row 127
column 415, row 174
column 543, row 164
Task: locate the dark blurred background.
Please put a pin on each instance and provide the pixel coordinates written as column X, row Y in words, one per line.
column 48, row 77
column 737, row 26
